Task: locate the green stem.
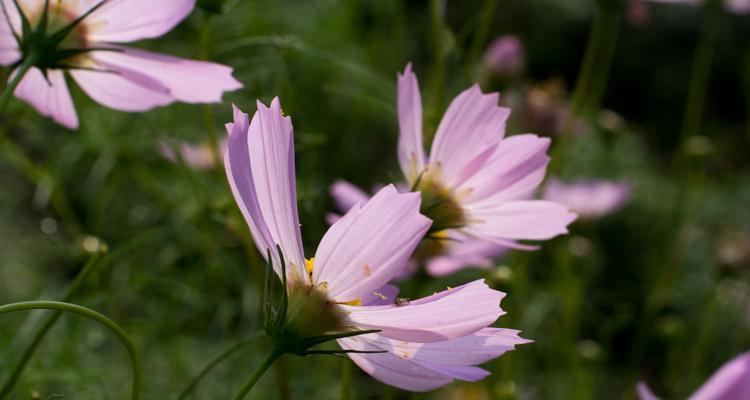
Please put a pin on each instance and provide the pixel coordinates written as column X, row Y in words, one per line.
column 72, row 291
column 346, row 380
column 208, row 114
column 480, row 36
column 597, row 61
column 21, row 71
column 218, row 360
column 91, row 314
column 438, row 65
column 696, row 96
column 275, row 353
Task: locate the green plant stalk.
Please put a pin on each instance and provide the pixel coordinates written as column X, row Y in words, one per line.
column 274, row 354
column 593, row 75
column 207, row 111
column 597, row 63
column 90, row 314
column 438, row 66
column 72, row 291
column 346, row 380
column 218, row 360
column 480, row 35
column 21, row 71
column 612, row 19
column 695, row 102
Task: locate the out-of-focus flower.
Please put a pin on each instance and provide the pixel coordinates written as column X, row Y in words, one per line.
column 424, row 343
column 544, row 108
column 638, row 14
column 476, row 185
column 198, row 156
column 504, row 59
column 733, row 6
column 734, row 249
column 730, row 382
column 83, row 38
column 589, row 198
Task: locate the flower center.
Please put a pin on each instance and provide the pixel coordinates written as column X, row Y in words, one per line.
column 438, row 202
column 312, row 313
column 58, row 17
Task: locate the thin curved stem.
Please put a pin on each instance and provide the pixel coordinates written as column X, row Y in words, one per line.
column 72, row 291
column 91, row 314
column 275, row 353
column 346, row 380
column 218, row 360
column 20, row 73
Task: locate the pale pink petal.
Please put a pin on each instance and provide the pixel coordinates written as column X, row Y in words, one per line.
column 446, row 315
column 644, row 392
column 435, row 364
column 124, row 90
column 369, row 245
column 120, row 21
column 589, row 198
column 462, row 252
column 381, row 297
column 237, row 165
column 260, row 168
column 513, row 172
column 472, row 123
column 188, row 81
column 410, row 148
column 731, row 381
column 517, row 220
column 271, row 148
column 346, row 195
column 49, row 96
column 8, row 46
column 393, row 370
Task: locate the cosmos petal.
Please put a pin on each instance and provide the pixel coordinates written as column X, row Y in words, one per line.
column 410, row 149
column 50, row 96
column 369, row 245
column 446, row 315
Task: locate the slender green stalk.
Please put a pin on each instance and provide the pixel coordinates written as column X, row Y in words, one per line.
column 346, row 380
column 480, row 35
column 597, row 62
column 91, row 314
column 72, row 291
column 438, row 64
column 696, row 96
column 275, row 353
column 20, row 73
column 208, row 113
column 218, row 360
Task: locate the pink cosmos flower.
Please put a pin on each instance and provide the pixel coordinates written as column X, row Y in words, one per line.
column 453, row 255
column 730, row 382
column 589, row 198
column 430, row 341
column 476, row 185
column 118, row 77
column 198, row 156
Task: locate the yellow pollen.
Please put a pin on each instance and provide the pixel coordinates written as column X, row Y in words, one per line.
column 309, row 264
column 355, row 302
column 382, row 296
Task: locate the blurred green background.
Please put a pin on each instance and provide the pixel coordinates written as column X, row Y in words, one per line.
column 658, row 291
